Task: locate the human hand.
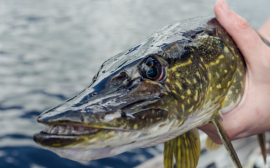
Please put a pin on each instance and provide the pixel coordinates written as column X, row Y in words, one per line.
column 252, row 115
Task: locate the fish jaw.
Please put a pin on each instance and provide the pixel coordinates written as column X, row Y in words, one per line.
column 94, row 143
column 110, row 143
column 103, row 143
column 113, row 142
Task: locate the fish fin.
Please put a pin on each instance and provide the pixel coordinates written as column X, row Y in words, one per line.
column 210, row 145
column 262, row 143
column 168, row 154
column 226, row 142
column 187, row 149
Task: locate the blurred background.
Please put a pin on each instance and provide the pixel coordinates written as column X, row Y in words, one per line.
column 50, row 50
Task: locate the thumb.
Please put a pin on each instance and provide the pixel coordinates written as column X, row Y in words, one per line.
column 242, row 33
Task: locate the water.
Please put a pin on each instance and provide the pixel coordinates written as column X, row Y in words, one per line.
column 50, row 50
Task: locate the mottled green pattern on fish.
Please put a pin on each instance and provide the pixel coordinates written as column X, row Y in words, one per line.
column 211, row 71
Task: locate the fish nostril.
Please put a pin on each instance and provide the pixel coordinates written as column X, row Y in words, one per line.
column 119, row 78
column 94, row 94
column 42, row 119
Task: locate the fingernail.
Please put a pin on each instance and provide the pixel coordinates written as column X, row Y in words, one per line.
column 224, row 6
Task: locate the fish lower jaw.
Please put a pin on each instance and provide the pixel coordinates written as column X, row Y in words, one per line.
column 84, row 154
column 69, row 130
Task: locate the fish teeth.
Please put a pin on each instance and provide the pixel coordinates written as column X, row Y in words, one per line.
column 80, row 129
column 47, row 128
column 69, row 130
column 54, row 130
column 73, row 131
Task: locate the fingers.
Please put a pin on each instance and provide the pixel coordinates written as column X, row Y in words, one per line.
column 242, row 33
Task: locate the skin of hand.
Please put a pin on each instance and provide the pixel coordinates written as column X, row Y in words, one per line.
column 252, row 115
column 264, row 31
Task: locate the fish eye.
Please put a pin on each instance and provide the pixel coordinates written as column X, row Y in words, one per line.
column 152, row 69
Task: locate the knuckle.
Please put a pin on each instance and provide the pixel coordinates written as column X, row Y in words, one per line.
column 242, row 23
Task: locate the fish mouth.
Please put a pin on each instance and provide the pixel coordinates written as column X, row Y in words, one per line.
column 69, row 130
column 65, row 136
column 68, row 135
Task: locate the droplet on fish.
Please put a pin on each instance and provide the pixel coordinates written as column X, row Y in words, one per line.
column 110, row 117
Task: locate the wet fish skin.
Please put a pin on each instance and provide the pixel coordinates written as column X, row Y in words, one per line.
column 203, row 75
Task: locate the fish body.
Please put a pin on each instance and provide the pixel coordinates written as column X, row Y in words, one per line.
column 180, row 78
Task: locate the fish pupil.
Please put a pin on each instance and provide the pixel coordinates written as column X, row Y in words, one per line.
column 152, row 72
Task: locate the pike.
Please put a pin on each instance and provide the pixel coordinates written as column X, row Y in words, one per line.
column 182, row 77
